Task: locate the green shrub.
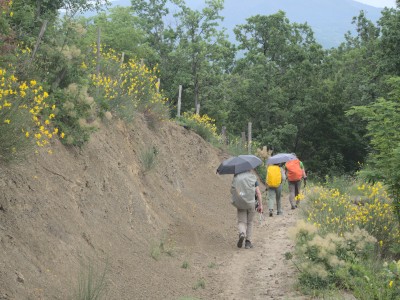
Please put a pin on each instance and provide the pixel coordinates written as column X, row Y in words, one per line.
column 76, row 114
column 126, row 88
column 370, row 209
column 322, row 258
column 383, row 162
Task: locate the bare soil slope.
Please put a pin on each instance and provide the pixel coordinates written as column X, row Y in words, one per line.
column 169, row 233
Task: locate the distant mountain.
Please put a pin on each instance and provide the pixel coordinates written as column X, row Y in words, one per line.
column 329, row 19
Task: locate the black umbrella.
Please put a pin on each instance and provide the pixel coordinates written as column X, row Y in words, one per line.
column 238, row 164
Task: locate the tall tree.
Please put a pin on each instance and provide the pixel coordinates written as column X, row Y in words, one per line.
column 201, row 44
column 279, row 63
column 120, row 30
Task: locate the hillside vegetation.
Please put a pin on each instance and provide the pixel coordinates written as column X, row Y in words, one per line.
column 120, row 90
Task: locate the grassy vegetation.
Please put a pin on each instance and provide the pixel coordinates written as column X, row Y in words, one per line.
column 159, row 248
column 185, row 265
column 148, row 158
column 212, row 265
column 201, row 283
column 92, row 284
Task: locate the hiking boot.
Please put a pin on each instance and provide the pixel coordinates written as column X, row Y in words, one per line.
column 248, row 244
column 271, row 212
column 293, row 207
column 241, row 239
column 279, row 213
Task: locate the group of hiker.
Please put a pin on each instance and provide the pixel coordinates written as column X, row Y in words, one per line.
column 245, row 189
column 293, row 171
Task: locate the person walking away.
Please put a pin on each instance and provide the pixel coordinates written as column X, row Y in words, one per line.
column 244, row 189
column 294, row 172
column 275, row 176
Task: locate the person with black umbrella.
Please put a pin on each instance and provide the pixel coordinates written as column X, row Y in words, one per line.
column 244, row 189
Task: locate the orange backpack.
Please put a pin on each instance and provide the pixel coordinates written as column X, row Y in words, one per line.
column 294, row 171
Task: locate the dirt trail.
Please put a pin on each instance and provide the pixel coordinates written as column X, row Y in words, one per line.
column 262, row 272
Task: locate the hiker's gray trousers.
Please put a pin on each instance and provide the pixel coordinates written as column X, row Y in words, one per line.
column 245, row 221
column 274, row 196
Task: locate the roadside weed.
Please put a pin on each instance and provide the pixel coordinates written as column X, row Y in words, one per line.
column 161, row 247
column 148, row 158
column 92, row 283
column 185, row 265
column 201, row 283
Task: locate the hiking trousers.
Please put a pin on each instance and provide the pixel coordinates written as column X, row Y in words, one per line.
column 274, row 196
column 294, row 190
column 245, row 221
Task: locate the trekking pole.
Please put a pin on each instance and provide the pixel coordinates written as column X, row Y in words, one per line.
column 261, row 218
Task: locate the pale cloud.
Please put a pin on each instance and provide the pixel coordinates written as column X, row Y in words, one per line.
column 379, row 3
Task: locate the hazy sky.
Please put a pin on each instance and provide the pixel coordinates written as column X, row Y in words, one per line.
column 376, row 3
column 379, row 3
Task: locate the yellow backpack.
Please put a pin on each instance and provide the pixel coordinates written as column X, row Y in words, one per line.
column 274, row 176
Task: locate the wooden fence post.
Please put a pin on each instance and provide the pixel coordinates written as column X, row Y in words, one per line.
column 98, row 52
column 223, row 135
column 41, row 33
column 249, row 138
column 179, row 101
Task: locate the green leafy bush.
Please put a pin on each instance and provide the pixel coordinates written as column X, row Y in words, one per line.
column 383, row 163
column 322, row 258
column 76, row 114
